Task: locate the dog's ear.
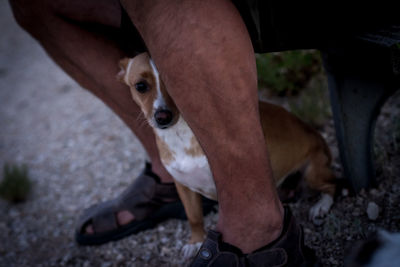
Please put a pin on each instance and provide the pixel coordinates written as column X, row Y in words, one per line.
column 123, row 63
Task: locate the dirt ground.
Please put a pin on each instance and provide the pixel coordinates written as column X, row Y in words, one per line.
column 78, row 153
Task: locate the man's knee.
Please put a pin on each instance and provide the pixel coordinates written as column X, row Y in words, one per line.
column 34, row 13
column 29, row 14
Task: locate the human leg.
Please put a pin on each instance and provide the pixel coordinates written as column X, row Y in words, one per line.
column 79, row 36
column 207, row 43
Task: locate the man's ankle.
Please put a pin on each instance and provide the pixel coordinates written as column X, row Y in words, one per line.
column 250, row 233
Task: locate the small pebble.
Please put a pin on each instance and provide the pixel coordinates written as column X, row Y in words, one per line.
column 120, row 258
column 374, row 192
column 345, row 192
column 318, row 221
column 359, row 201
column 356, row 212
column 165, row 251
column 106, row 264
column 372, row 211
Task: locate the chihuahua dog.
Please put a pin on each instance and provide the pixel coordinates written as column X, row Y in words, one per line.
column 292, row 146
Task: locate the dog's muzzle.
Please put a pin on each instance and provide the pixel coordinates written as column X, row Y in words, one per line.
column 163, row 118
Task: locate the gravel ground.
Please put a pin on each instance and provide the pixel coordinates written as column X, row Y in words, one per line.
column 79, row 153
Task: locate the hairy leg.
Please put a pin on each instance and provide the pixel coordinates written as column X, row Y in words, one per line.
column 205, row 57
column 80, row 37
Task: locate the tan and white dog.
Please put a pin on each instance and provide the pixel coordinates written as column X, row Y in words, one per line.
column 292, row 146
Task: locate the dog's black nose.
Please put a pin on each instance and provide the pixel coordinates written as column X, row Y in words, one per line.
column 163, row 117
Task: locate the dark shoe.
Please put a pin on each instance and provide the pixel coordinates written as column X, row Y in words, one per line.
column 149, row 200
column 287, row 250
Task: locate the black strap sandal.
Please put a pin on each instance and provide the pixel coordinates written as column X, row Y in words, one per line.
column 287, row 250
column 149, row 200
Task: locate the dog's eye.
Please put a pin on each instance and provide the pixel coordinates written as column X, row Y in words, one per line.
column 142, row 87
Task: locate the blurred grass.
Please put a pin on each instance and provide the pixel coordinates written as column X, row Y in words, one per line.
column 298, row 76
column 16, row 184
column 332, row 226
column 312, row 105
column 287, row 73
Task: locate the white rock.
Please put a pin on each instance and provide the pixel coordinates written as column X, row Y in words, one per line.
column 120, row 258
column 372, row 211
column 345, row 192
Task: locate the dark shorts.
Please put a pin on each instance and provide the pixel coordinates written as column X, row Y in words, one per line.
column 286, row 25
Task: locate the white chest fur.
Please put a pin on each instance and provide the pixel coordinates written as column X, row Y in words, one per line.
column 184, row 159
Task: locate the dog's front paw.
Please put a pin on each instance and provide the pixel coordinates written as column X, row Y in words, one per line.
column 321, row 208
column 189, row 250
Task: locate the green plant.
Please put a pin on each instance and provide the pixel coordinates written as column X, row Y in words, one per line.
column 286, row 73
column 358, row 228
column 332, row 226
column 312, row 105
column 15, row 185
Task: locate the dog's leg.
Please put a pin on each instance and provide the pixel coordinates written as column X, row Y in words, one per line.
column 320, row 177
column 194, row 211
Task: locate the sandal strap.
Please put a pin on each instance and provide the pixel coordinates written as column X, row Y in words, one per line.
column 141, row 198
column 146, row 194
column 287, row 250
column 166, row 192
column 104, row 222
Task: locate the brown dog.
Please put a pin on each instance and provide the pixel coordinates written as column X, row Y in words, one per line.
column 292, row 146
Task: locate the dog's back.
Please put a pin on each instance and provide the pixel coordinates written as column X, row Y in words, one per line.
column 294, row 146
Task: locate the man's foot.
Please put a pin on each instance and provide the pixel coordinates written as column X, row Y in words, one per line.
column 287, row 250
column 141, row 206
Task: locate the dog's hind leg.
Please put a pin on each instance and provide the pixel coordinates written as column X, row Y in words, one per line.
column 320, row 177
